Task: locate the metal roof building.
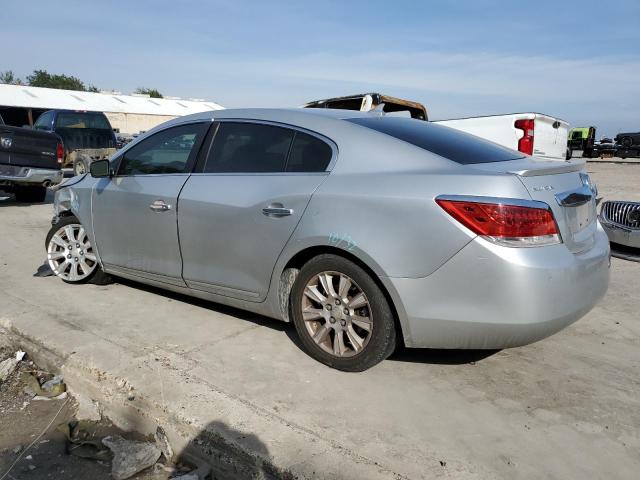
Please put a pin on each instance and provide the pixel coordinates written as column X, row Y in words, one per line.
column 128, row 113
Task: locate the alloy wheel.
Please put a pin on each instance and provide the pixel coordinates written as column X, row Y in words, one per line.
column 70, row 253
column 337, row 314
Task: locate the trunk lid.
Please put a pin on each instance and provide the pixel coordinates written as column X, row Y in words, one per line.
column 28, row 148
column 564, row 187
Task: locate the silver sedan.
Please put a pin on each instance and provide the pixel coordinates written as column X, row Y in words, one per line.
column 364, row 230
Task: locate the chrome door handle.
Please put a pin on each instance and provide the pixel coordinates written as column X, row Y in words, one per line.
column 273, row 211
column 159, row 206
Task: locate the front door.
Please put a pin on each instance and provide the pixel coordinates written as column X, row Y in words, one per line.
column 134, row 213
column 237, row 215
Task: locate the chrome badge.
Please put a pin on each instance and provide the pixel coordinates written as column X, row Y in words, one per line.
column 6, row 142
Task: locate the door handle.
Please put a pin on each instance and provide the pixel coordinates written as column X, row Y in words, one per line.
column 159, row 206
column 277, row 210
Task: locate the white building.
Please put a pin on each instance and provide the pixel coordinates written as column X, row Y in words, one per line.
column 21, row 105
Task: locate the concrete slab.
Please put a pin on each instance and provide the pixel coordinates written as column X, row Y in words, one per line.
column 566, row 407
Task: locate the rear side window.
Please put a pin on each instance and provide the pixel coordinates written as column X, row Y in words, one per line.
column 308, row 154
column 240, row 147
column 82, row 120
column 44, row 121
column 170, row 151
column 447, row 142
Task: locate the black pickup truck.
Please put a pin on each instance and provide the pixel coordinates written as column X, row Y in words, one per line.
column 30, row 161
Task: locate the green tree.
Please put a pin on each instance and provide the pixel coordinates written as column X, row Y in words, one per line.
column 9, row 78
column 42, row 78
column 152, row 92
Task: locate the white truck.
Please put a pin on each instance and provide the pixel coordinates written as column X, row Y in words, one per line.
column 530, row 133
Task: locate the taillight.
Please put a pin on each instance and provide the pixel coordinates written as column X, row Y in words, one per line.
column 505, row 224
column 60, row 152
column 525, row 144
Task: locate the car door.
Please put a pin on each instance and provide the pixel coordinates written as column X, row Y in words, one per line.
column 134, row 212
column 236, row 216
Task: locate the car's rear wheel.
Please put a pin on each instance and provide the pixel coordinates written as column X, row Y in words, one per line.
column 70, row 254
column 80, row 166
column 341, row 314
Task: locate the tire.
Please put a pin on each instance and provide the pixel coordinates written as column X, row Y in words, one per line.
column 86, row 267
column 30, row 194
column 626, row 141
column 80, row 166
column 365, row 341
column 569, row 154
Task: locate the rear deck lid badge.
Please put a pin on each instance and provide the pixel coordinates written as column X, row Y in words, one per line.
column 6, row 142
column 543, row 188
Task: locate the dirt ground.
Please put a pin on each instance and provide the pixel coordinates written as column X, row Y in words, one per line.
column 31, row 446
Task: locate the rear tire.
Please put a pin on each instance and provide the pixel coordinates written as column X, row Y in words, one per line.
column 70, row 254
column 80, row 166
column 30, row 194
column 341, row 315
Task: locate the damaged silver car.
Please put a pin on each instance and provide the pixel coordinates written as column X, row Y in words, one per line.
column 364, row 230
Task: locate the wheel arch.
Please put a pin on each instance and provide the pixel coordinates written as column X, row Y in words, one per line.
column 297, row 260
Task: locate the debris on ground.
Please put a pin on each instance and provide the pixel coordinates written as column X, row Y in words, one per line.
column 9, row 365
column 130, row 457
column 42, row 389
column 84, row 444
column 44, row 270
column 163, row 444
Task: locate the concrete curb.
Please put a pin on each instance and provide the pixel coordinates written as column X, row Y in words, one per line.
column 246, row 442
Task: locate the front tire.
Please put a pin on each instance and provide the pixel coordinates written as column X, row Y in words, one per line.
column 341, row 315
column 71, row 255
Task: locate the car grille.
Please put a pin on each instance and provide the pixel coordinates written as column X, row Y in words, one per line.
column 626, row 214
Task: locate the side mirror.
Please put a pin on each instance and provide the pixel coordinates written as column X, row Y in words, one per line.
column 100, row 169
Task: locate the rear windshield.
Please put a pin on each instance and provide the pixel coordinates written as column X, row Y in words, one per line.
column 82, row 120
column 447, row 142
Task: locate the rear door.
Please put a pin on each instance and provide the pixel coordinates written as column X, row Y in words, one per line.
column 236, row 216
column 134, row 213
column 550, row 137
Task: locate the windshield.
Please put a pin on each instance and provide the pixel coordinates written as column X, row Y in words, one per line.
column 82, row 120
column 447, row 142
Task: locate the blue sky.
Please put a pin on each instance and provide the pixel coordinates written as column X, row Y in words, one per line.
column 578, row 60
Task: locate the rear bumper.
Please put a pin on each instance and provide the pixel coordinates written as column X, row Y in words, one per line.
column 30, row 175
column 492, row 297
column 621, row 235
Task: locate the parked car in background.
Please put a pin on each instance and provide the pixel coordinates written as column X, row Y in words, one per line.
column 621, row 221
column 363, row 229
column 628, row 145
column 628, row 139
column 30, row 161
column 87, row 136
column 582, row 139
column 530, row 133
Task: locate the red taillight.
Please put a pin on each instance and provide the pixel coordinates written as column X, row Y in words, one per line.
column 511, row 225
column 525, row 144
column 60, row 152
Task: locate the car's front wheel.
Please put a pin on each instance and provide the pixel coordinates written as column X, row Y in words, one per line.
column 70, row 254
column 341, row 314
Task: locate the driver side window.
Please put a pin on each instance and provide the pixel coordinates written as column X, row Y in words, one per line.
column 170, row 151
